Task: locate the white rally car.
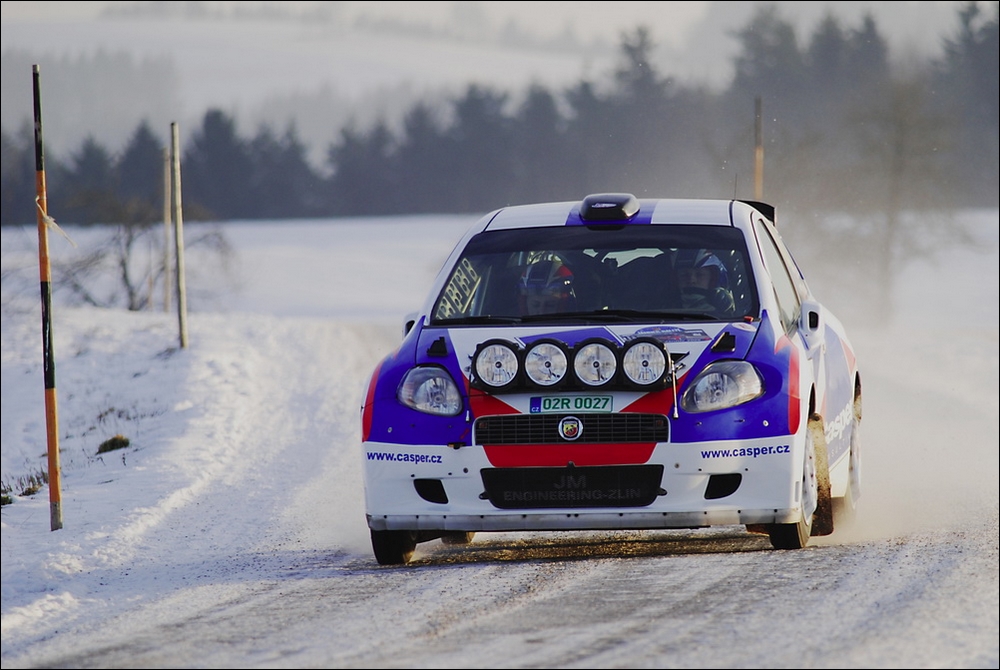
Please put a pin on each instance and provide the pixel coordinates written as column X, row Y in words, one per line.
column 614, row 363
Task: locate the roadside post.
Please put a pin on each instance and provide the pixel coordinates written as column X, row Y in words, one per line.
column 49, row 363
column 175, row 165
column 758, row 153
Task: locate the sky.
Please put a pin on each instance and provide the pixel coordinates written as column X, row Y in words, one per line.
column 548, row 18
column 588, row 19
column 368, row 61
column 682, row 27
column 230, row 532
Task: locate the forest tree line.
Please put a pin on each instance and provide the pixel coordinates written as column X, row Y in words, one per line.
column 842, row 131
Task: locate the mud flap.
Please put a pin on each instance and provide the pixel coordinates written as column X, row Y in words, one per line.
column 823, row 516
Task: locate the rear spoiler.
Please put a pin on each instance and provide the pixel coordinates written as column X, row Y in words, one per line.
column 764, row 208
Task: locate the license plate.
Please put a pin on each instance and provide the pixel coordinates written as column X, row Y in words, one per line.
column 571, row 403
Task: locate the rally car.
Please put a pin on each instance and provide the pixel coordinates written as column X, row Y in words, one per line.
column 614, row 363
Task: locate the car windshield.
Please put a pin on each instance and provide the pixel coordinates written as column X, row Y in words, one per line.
column 600, row 273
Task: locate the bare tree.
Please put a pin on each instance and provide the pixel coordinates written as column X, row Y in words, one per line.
column 897, row 192
column 125, row 269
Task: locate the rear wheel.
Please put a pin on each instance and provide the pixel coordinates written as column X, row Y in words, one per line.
column 393, row 547
column 457, row 537
column 817, row 512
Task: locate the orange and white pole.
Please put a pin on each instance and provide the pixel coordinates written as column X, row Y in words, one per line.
column 49, row 365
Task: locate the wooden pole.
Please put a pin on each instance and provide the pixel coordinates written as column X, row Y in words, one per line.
column 49, row 364
column 758, row 155
column 168, row 273
column 178, row 233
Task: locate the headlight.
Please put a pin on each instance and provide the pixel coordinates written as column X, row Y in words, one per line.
column 495, row 364
column 722, row 384
column 545, row 363
column 430, row 389
column 595, row 364
column 645, row 362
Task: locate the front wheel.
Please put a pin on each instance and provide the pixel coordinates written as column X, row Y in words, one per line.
column 817, row 510
column 393, row 547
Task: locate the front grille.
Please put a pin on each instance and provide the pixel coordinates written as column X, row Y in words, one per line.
column 544, row 428
column 575, row 487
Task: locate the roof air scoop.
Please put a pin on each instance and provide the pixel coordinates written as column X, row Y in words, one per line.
column 609, row 207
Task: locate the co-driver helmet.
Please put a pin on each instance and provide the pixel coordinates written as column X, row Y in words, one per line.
column 692, row 259
column 545, row 287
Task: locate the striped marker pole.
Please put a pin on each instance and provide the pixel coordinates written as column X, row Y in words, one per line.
column 49, row 366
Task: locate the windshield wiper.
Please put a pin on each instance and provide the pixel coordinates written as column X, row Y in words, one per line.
column 623, row 316
column 475, row 320
column 601, row 315
column 660, row 315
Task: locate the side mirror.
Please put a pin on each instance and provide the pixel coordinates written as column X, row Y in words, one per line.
column 408, row 322
column 812, row 326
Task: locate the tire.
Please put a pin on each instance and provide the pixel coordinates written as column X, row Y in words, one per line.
column 845, row 509
column 457, row 537
column 393, row 547
column 817, row 507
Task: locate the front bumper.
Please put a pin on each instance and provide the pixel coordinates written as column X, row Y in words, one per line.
column 435, row 487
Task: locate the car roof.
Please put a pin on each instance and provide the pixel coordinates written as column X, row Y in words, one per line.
column 625, row 209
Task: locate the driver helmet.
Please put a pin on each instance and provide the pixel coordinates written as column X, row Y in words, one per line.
column 546, row 287
column 693, row 259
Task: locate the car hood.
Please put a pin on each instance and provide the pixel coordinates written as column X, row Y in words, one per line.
column 692, row 346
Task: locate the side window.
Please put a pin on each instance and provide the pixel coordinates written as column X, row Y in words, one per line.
column 793, row 268
column 456, row 298
column 784, row 288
